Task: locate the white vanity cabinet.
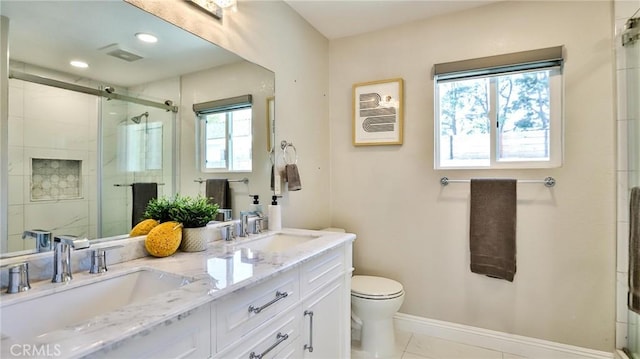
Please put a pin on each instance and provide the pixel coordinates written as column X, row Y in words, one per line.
column 293, row 304
column 312, row 321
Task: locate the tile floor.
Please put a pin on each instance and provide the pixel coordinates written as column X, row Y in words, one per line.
column 420, row 346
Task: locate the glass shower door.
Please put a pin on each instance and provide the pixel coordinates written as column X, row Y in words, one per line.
column 136, row 146
column 632, row 54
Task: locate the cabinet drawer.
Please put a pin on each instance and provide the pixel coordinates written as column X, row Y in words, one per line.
column 293, row 350
column 321, row 270
column 242, row 311
column 271, row 340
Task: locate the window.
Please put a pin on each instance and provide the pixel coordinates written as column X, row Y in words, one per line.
column 224, row 133
column 140, row 147
column 500, row 112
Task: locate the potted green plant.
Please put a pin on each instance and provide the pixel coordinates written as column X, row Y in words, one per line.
column 158, row 209
column 193, row 212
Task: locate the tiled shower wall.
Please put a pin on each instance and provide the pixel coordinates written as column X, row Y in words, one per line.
column 50, row 124
column 628, row 169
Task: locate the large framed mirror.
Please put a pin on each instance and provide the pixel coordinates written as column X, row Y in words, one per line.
column 73, row 154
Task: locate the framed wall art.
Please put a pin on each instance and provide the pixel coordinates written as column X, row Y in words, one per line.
column 378, row 112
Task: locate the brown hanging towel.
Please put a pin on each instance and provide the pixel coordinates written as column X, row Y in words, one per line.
column 217, row 191
column 142, row 193
column 492, row 237
column 634, row 250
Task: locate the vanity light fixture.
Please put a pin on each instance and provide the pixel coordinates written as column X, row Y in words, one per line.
column 148, row 38
column 225, row 4
column 79, row 64
column 209, row 6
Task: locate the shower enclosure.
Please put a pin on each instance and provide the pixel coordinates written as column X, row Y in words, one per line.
column 629, row 114
column 137, row 146
column 74, row 152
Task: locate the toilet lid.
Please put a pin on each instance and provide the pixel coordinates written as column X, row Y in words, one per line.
column 370, row 286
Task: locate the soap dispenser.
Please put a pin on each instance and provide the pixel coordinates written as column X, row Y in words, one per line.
column 275, row 215
column 256, row 207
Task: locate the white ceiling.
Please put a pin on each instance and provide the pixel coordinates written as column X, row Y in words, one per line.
column 340, row 18
column 92, row 28
column 51, row 33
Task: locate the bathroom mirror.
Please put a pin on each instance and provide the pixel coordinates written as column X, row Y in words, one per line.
column 102, row 33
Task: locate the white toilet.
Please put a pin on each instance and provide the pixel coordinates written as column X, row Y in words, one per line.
column 374, row 301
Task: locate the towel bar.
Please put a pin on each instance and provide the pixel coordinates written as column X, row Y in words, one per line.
column 243, row 180
column 130, row 184
column 548, row 181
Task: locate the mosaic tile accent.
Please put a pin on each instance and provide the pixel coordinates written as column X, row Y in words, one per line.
column 54, row 179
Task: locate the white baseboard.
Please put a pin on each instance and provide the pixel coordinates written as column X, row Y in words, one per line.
column 531, row 348
column 621, row 355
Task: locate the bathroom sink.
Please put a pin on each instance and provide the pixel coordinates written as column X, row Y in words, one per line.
column 277, row 242
column 68, row 306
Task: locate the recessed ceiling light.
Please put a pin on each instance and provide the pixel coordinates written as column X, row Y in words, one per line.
column 79, row 64
column 146, row 38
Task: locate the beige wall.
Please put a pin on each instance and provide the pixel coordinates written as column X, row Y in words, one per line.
column 272, row 35
column 413, row 230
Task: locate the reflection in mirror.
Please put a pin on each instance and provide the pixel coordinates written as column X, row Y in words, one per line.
column 73, row 155
column 223, row 134
column 271, row 123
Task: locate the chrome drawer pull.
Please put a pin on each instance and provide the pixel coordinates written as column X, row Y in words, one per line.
column 279, row 295
column 281, row 337
column 310, row 345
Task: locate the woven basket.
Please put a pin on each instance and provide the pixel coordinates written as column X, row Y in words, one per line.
column 195, row 239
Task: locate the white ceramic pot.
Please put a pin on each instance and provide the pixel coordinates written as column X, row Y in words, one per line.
column 195, row 239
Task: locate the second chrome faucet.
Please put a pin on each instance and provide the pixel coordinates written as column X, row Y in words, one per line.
column 62, row 256
column 247, row 219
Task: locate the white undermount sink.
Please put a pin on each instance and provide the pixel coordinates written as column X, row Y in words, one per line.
column 68, row 306
column 277, row 242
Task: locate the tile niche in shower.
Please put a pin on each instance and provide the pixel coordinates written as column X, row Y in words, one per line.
column 55, row 179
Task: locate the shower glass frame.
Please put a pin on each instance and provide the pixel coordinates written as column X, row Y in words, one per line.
column 630, row 95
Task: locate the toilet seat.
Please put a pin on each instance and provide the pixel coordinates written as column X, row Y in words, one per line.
column 377, row 288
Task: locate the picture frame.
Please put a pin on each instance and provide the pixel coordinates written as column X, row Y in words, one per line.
column 378, row 112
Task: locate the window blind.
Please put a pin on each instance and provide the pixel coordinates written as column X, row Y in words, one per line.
column 222, row 105
column 493, row 65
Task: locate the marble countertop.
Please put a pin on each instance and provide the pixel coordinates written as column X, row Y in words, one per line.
column 208, row 275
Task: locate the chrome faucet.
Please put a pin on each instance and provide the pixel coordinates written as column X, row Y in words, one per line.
column 257, row 225
column 18, row 278
column 226, row 214
column 43, row 239
column 228, row 232
column 62, row 256
column 245, row 224
column 99, row 259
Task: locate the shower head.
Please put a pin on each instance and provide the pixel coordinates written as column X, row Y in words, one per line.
column 137, row 119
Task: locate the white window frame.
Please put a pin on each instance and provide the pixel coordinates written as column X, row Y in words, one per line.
column 225, row 106
column 556, row 89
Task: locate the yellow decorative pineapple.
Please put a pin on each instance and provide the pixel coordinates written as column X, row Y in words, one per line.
column 164, row 239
